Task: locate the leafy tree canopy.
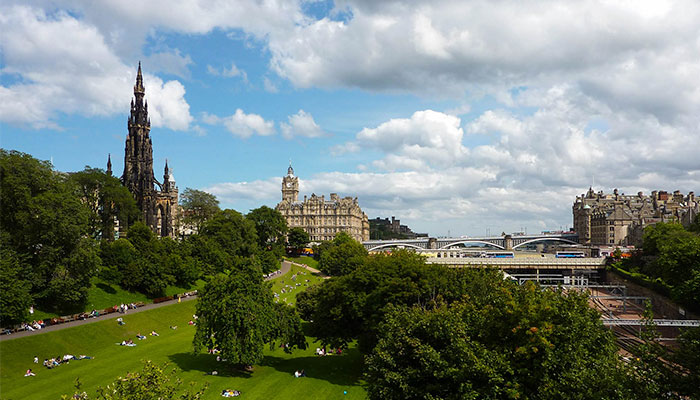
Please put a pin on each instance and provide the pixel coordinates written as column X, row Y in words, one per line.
column 343, row 256
column 153, row 382
column 270, row 226
column 235, row 234
column 15, row 297
column 237, row 315
column 198, row 206
column 44, row 223
column 673, row 254
column 522, row 343
column 106, row 198
column 298, row 238
column 350, row 307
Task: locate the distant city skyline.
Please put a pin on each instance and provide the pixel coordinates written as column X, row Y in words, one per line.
column 460, row 117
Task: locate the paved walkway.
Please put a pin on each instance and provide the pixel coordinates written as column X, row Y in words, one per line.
column 310, row 269
column 71, row 324
column 286, row 266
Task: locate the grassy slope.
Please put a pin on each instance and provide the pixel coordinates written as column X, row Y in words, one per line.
column 304, row 260
column 103, row 294
column 327, row 377
column 285, row 281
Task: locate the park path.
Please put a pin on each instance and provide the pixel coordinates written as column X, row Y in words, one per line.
column 310, row 269
column 286, row 266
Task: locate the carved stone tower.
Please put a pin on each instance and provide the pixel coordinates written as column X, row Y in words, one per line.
column 159, row 208
column 138, row 155
column 290, row 186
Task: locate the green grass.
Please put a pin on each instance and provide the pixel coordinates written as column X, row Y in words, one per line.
column 304, row 260
column 290, row 285
column 327, row 377
column 103, row 294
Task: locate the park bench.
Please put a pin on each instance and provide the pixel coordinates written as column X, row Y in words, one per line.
column 162, row 299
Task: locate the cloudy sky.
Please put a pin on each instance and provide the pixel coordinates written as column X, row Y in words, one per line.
column 460, row 117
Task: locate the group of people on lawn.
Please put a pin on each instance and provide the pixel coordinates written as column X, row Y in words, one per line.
column 34, row 326
column 323, row 352
column 139, row 336
column 50, row 363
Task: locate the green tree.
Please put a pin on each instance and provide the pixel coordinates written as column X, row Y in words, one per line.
column 68, row 286
column 237, row 315
column 148, row 271
column 209, row 254
column 673, row 254
column 298, row 238
column 343, row 256
column 521, row 343
column 44, row 222
column 306, row 302
column 107, row 199
column 198, row 206
column 688, row 357
column 695, row 226
column 116, row 256
column 230, row 233
column 15, row 297
column 153, row 382
column 350, row 307
column 271, row 228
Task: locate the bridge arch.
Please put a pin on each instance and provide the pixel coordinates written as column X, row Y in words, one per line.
column 394, row 245
column 544, row 239
column 470, row 241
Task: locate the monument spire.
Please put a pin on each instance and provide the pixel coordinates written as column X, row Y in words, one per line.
column 138, row 87
column 109, row 164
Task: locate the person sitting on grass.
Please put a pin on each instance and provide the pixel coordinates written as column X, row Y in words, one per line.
column 173, row 327
column 84, row 357
column 29, row 373
column 154, row 333
column 140, row 336
column 120, row 321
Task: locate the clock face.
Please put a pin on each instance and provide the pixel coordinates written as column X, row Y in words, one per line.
column 289, row 184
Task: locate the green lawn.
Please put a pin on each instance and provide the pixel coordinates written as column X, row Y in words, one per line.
column 304, row 260
column 104, row 294
column 327, row 377
column 293, row 282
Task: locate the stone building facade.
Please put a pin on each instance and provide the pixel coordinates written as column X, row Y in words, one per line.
column 321, row 218
column 159, row 206
column 391, row 229
column 619, row 220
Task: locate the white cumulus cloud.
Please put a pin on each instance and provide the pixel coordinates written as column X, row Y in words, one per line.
column 301, row 124
column 51, row 72
column 241, row 124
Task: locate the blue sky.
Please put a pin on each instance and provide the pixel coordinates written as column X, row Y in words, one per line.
column 453, row 116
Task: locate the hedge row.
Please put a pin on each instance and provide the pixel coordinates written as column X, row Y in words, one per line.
column 657, row 284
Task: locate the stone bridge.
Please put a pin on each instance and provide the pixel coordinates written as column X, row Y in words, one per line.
column 507, row 242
